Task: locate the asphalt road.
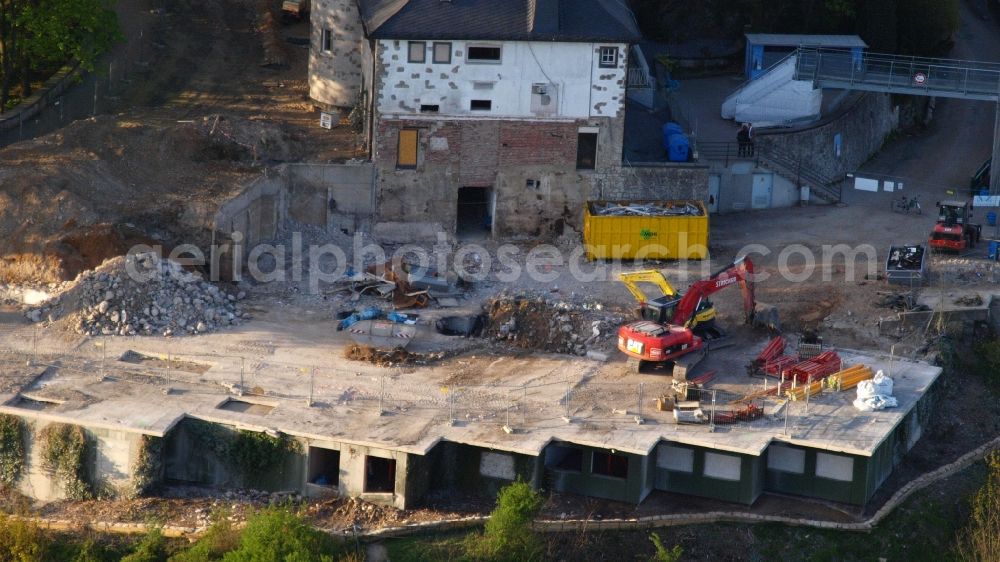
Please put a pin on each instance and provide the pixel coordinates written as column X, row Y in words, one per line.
column 960, row 135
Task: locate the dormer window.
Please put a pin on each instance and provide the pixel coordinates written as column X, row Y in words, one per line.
column 609, row 57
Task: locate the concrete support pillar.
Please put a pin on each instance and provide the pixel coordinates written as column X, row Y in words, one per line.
column 994, row 176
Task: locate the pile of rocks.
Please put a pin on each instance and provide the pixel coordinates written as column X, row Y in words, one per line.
column 547, row 324
column 143, row 294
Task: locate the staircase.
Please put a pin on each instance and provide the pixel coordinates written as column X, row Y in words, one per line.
column 775, row 98
column 829, row 189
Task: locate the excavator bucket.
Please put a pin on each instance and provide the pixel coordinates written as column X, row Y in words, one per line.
column 766, row 315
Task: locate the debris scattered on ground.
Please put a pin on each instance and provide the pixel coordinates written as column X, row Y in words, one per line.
column 897, row 301
column 533, row 322
column 389, row 358
column 970, row 300
column 658, row 209
column 141, row 294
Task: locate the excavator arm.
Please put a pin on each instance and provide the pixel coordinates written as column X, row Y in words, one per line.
column 652, row 276
column 737, row 273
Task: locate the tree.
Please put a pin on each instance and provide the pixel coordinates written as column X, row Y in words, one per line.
column 36, row 34
column 61, row 30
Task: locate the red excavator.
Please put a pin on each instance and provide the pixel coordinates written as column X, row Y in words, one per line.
column 670, row 332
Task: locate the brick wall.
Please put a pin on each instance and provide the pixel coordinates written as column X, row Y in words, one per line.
column 530, row 165
column 482, row 148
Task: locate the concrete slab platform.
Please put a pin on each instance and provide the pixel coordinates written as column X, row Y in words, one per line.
column 318, row 394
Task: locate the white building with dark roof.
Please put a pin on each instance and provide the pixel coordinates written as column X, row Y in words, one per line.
column 488, row 116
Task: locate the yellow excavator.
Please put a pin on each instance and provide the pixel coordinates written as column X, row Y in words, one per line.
column 661, row 309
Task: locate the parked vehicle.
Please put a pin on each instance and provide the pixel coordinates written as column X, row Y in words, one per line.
column 953, row 231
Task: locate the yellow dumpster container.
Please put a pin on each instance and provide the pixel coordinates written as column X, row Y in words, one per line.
column 676, row 229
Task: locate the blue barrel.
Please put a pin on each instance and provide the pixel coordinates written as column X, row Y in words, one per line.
column 679, row 148
column 994, row 246
column 991, row 218
column 670, row 129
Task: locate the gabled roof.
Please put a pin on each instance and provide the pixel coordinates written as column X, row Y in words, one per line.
column 511, row 20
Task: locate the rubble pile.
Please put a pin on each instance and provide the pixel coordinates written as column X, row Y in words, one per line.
column 559, row 326
column 141, row 294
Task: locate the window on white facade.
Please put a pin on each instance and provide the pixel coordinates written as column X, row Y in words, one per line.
column 429, row 108
column 326, row 41
column 481, row 105
column 609, row 57
column 417, row 51
column 484, row 53
column 834, row 467
column 442, row 53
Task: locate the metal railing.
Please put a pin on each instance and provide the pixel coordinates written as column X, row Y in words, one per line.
column 788, row 165
column 899, row 74
column 638, row 78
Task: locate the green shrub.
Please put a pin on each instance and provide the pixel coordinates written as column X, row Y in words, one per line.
column 21, row 541
column 221, row 537
column 508, row 534
column 89, row 551
column 152, row 548
column 12, row 432
column 662, row 553
column 979, row 541
column 257, row 455
column 64, row 452
column 278, row 535
column 147, row 467
column 987, row 357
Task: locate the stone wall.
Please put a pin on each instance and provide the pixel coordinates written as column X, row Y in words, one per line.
column 336, row 76
column 657, row 181
column 529, row 165
column 862, row 126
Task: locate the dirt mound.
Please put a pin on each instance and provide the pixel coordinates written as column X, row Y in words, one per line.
column 64, row 196
column 558, row 326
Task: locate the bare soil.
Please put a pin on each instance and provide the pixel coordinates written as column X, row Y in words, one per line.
column 210, row 109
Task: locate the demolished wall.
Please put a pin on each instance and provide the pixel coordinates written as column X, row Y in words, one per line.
column 335, row 197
